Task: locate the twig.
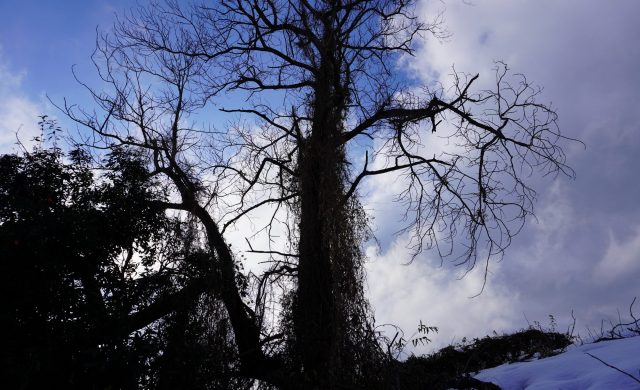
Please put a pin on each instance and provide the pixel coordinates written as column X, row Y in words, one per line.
column 615, row 368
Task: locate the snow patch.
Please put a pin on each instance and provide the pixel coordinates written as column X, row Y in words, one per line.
column 574, row 369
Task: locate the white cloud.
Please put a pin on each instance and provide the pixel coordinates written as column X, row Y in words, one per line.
column 405, row 294
column 18, row 120
column 9, row 80
column 582, row 54
column 18, row 113
column 620, row 259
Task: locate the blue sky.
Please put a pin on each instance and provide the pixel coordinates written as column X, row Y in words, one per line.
column 582, row 252
column 40, row 41
column 45, row 38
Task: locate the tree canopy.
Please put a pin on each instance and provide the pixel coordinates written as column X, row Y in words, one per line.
column 97, row 279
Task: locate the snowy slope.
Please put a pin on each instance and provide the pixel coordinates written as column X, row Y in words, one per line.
column 574, row 369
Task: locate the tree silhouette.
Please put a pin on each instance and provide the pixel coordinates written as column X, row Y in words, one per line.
column 89, row 266
column 322, row 107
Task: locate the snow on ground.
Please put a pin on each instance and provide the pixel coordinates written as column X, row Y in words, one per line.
column 574, row 369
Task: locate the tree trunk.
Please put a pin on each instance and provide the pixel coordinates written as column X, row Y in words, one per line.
column 318, row 321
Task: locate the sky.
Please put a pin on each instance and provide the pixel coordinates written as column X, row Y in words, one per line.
column 40, row 42
column 581, row 253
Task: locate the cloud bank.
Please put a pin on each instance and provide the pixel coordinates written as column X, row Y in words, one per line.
column 582, row 252
column 18, row 113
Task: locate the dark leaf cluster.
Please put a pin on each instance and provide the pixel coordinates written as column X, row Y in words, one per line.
column 98, row 290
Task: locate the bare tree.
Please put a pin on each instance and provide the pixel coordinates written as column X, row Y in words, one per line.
column 314, row 88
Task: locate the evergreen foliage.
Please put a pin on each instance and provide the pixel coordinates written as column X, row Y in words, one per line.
column 83, row 254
